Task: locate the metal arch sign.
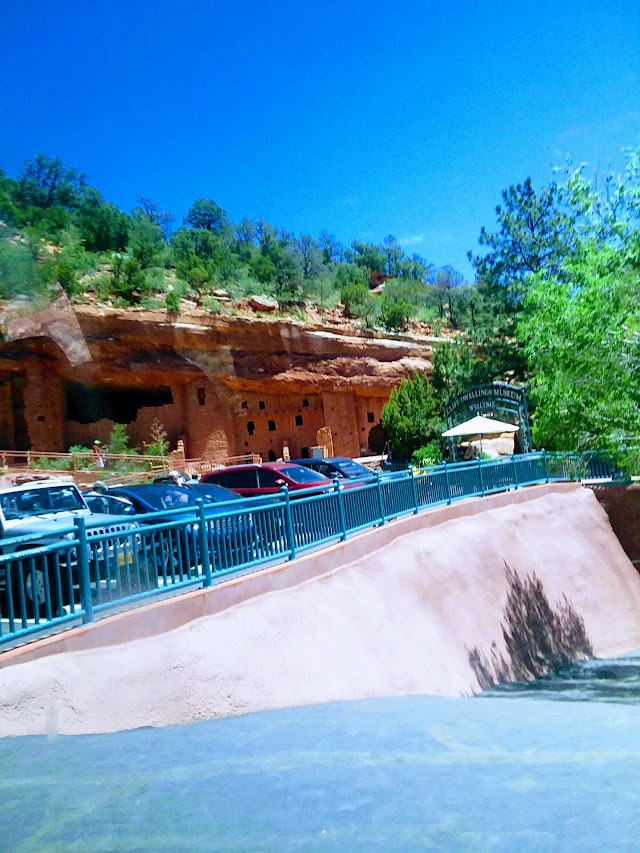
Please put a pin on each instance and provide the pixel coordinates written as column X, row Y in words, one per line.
column 495, row 397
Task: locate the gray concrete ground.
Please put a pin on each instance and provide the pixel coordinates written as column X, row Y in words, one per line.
column 553, row 768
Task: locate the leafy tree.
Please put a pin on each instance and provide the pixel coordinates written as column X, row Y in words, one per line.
column 457, row 366
column 118, row 439
column 9, row 211
column 367, row 256
column 393, row 255
column 129, row 281
column 581, row 330
column 159, row 444
column 199, row 279
column 206, row 215
column 535, row 234
column 244, row 240
column 309, row 251
column 353, row 285
column 409, row 290
column 66, row 277
column 47, row 182
column 151, row 209
column 395, row 314
column 146, row 241
column 412, row 416
column 276, row 264
column 331, row 249
column 430, row 454
column 102, row 227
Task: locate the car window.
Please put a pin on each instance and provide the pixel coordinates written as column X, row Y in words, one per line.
column 324, row 469
column 267, row 479
column 349, row 468
column 97, row 503
column 244, row 478
column 220, row 478
column 303, row 475
column 214, row 492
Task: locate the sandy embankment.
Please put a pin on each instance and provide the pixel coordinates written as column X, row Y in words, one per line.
column 399, row 621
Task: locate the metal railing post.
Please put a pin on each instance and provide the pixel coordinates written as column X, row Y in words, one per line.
column 205, row 557
column 545, row 463
column 291, row 542
column 380, row 498
column 515, row 472
column 414, row 490
column 83, row 569
column 343, row 518
column 446, row 481
column 480, row 479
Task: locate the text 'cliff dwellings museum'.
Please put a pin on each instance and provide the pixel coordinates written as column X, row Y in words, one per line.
column 226, row 386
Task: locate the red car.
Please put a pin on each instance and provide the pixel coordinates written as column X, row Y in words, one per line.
column 267, row 479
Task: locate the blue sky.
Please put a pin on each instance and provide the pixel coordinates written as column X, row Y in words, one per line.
column 361, row 118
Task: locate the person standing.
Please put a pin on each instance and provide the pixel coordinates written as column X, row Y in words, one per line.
column 98, row 457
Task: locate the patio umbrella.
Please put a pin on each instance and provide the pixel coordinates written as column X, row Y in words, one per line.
column 479, row 425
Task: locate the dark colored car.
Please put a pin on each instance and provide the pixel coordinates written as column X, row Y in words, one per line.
column 108, row 504
column 338, row 466
column 178, row 548
column 267, row 478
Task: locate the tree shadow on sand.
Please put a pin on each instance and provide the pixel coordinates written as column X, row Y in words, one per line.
column 539, row 640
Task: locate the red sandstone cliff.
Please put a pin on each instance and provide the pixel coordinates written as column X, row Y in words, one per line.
column 226, row 385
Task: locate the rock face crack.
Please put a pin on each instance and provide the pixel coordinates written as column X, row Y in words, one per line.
column 538, row 639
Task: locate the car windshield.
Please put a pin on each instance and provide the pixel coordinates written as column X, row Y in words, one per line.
column 214, row 493
column 165, row 497
column 302, row 475
column 351, row 469
column 33, row 502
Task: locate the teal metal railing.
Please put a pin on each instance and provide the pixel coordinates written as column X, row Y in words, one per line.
column 89, row 570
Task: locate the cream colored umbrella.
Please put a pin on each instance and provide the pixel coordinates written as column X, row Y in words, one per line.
column 480, row 425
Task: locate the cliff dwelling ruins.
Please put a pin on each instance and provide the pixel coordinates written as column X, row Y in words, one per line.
column 224, row 385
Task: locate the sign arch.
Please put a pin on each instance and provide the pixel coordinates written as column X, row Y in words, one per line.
column 497, row 397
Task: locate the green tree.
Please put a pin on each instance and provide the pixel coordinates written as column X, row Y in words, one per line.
column 393, row 255
column 331, row 249
column 206, row 215
column 536, row 233
column 152, row 211
column 159, row 444
column 146, row 242
column 118, row 439
column 102, row 227
column 47, row 182
column 367, row 256
column 412, row 417
column 581, row 330
column 395, row 314
column 352, row 283
column 310, row 256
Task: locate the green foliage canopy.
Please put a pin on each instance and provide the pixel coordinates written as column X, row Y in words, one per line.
column 412, row 417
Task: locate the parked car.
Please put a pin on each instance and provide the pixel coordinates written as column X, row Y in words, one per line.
column 44, row 510
column 338, row 466
column 177, row 549
column 108, row 504
column 267, row 478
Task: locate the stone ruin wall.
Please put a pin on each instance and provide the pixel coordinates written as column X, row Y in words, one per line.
column 235, row 388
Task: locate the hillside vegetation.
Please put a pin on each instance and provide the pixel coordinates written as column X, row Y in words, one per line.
column 556, row 301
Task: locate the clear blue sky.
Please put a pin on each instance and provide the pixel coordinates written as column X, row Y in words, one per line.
column 361, row 118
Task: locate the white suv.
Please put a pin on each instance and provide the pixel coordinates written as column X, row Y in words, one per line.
column 43, row 510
